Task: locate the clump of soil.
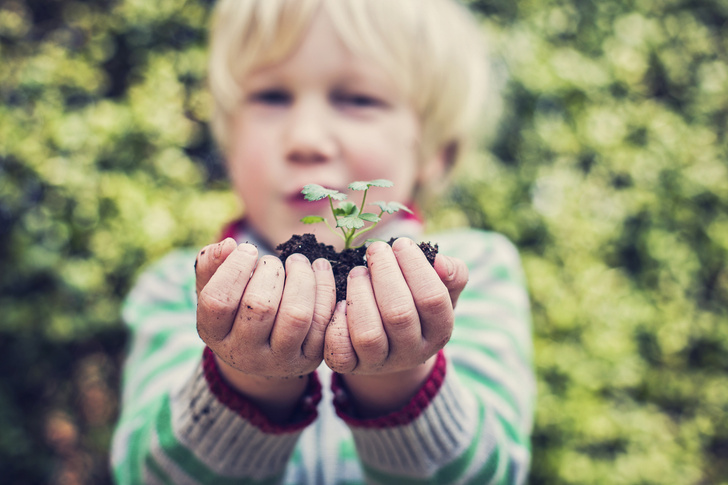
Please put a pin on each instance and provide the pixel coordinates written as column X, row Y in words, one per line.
column 341, row 262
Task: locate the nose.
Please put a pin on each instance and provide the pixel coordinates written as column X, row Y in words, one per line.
column 310, row 137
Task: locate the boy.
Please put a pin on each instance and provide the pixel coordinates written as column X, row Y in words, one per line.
column 329, row 92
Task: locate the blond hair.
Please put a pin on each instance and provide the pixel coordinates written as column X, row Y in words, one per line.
column 432, row 48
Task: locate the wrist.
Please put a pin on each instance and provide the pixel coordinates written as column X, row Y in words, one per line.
column 260, row 385
column 275, row 397
column 377, row 395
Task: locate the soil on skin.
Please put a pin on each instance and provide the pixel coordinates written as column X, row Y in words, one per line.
column 341, row 262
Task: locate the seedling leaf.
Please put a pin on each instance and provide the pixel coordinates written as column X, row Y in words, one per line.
column 373, row 183
column 369, row 217
column 314, row 192
column 359, row 185
column 312, row 219
column 381, row 183
column 350, row 222
column 347, row 208
column 392, row 207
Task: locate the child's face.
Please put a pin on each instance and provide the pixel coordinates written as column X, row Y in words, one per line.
column 320, row 116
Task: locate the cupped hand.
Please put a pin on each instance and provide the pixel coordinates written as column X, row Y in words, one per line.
column 262, row 320
column 399, row 312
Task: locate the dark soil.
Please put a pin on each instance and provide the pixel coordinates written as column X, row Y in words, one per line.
column 341, row 262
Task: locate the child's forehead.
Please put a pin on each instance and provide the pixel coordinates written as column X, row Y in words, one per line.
column 332, row 52
column 353, row 72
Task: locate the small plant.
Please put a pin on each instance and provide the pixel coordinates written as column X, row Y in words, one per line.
column 350, row 218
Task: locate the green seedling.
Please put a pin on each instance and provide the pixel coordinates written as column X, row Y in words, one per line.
column 350, row 219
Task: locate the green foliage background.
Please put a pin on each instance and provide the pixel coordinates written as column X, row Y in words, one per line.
column 607, row 168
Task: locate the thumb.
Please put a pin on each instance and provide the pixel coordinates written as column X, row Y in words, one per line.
column 453, row 273
column 210, row 258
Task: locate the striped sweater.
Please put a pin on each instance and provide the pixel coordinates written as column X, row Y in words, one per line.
column 470, row 423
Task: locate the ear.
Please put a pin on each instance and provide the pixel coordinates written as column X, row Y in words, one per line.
column 438, row 166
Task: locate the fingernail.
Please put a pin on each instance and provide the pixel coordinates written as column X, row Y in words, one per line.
column 217, row 251
column 358, row 271
column 376, row 247
column 321, row 264
column 401, row 243
column 450, row 268
column 298, row 257
column 247, row 248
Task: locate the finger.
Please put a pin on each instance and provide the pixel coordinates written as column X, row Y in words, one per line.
column 218, row 302
column 296, row 310
column 339, row 353
column 259, row 304
column 362, row 315
column 453, row 272
column 210, row 258
column 429, row 293
column 394, row 298
column 323, row 309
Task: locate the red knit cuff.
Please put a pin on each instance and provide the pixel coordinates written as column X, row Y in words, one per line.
column 417, row 405
column 304, row 415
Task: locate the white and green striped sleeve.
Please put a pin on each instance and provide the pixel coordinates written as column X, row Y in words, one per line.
column 471, row 421
column 491, row 352
column 179, row 422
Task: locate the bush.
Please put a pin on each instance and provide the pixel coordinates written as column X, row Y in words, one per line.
column 609, row 172
column 106, row 164
column 607, row 169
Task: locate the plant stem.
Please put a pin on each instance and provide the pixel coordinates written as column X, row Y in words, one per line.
column 363, row 199
column 334, row 230
column 336, row 220
column 365, row 230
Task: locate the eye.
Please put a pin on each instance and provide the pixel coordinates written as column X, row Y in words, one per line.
column 273, row 97
column 357, row 100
